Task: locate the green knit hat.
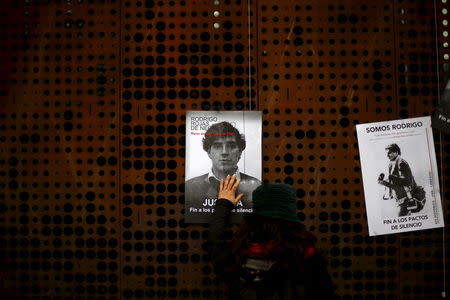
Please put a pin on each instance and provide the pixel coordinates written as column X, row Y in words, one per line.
column 275, row 200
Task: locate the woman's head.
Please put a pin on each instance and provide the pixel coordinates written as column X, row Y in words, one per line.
column 285, row 239
column 274, row 220
column 275, row 201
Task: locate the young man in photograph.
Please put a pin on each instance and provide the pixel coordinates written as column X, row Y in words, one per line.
column 224, row 145
column 400, row 182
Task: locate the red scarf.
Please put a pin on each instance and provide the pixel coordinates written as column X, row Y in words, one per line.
column 261, row 250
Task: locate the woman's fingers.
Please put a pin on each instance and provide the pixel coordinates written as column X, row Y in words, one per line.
column 228, row 188
column 221, row 185
column 236, row 184
column 238, row 198
column 227, row 181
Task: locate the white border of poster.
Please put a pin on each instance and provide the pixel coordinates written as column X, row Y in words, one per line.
column 198, row 163
column 414, row 137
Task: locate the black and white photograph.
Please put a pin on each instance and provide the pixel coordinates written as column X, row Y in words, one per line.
column 399, row 170
column 441, row 117
column 220, row 144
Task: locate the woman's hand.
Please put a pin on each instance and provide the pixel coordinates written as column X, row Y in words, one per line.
column 228, row 188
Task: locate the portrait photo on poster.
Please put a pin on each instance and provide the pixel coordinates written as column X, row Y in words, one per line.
column 402, row 177
column 220, row 144
column 441, row 117
column 399, row 170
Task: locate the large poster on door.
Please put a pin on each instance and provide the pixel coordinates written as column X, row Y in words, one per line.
column 220, row 143
column 399, row 170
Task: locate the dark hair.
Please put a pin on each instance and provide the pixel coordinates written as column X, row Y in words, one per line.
column 222, row 129
column 394, row 147
column 291, row 237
